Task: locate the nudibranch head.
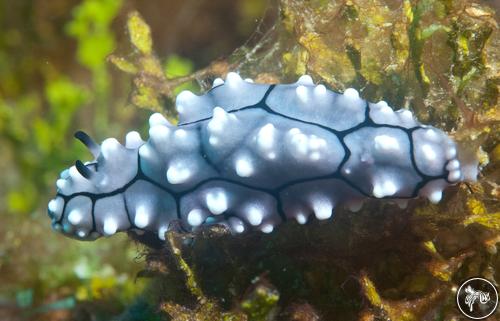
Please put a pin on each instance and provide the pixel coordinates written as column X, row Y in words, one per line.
column 76, row 210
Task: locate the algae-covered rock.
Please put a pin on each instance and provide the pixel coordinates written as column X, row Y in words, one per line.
column 439, row 58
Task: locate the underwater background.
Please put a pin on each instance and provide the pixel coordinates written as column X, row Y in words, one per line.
column 104, row 65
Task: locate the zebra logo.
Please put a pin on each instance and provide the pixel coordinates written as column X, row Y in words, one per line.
column 477, row 298
column 473, row 295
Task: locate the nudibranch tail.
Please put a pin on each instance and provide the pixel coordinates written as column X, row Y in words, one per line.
column 250, row 156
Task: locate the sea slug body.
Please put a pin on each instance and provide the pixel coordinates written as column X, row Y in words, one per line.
column 250, row 156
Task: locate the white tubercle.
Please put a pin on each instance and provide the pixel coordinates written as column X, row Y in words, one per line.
column 433, row 190
column 315, row 156
column 133, row 140
column 351, row 93
column 429, row 153
column 322, row 207
column 406, row 114
column 61, row 184
column 452, row 165
column 158, row 119
column 141, row 219
column 75, row 216
column 386, row 143
column 81, row 233
column 300, row 142
column 267, row 228
column 249, row 80
column 432, row 135
column 236, row 224
column 266, row 136
column 435, row 196
column 110, row 226
column 244, row 167
column 451, row 152
column 180, row 134
column 64, row 174
column 56, row 206
column 301, row 218
column 320, row 90
column 233, row 79
column 301, row 92
column 219, row 120
column 184, row 98
column 218, row 82
column 146, row 151
column 385, row 188
column 216, row 201
column 381, row 105
column 305, row 80
column 195, row 217
column 254, row 215
column 177, row 174
column 454, row 175
column 110, row 147
column 161, row 232
column 316, row 142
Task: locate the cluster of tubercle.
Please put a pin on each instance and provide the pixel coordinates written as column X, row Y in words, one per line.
column 250, row 156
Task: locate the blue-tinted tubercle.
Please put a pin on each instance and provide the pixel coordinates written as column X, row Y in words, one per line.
column 251, row 156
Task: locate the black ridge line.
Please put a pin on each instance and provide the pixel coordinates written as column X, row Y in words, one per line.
column 62, row 214
column 132, row 224
column 92, row 211
column 424, row 177
column 177, row 207
column 258, row 104
column 347, row 154
column 263, row 105
column 367, row 123
column 279, row 207
column 141, row 176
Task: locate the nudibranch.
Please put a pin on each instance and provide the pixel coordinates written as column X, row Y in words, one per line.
column 250, row 156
